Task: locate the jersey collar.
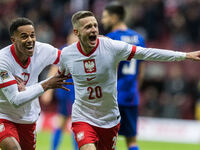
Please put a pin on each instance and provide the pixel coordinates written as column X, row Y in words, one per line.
column 12, row 49
column 92, row 51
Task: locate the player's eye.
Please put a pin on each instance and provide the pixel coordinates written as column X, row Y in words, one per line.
column 95, row 25
column 88, row 26
column 32, row 35
column 24, row 36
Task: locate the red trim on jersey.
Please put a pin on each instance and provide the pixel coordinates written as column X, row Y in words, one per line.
column 12, row 48
column 58, row 57
column 132, row 53
column 59, row 72
column 68, row 75
column 92, row 51
column 8, row 83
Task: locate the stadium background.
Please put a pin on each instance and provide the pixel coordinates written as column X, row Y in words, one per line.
column 169, row 90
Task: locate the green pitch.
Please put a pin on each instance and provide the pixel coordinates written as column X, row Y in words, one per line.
column 43, row 143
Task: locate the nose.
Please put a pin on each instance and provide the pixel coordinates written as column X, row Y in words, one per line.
column 29, row 39
column 94, row 29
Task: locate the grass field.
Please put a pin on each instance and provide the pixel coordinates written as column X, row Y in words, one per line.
column 43, row 143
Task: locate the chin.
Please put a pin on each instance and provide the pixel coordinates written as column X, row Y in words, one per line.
column 30, row 54
column 92, row 45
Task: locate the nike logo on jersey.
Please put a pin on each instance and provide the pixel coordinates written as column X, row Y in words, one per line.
column 89, row 79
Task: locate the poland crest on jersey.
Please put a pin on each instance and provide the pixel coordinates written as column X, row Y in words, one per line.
column 89, row 66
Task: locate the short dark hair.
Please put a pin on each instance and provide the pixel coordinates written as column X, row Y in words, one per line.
column 19, row 22
column 116, row 8
column 79, row 15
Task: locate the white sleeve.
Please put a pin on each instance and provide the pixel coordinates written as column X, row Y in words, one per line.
column 50, row 54
column 158, row 54
column 63, row 64
column 119, row 49
column 17, row 98
column 9, row 88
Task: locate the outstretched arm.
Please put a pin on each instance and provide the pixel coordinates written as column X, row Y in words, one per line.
column 155, row 54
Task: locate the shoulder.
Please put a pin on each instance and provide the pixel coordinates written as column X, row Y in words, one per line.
column 6, row 58
column 44, row 48
column 107, row 40
column 69, row 48
column 69, row 52
column 5, row 49
column 104, row 39
column 111, row 44
column 5, row 53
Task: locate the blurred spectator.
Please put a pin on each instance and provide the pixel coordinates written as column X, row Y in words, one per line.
column 179, row 35
column 192, row 13
column 44, row 33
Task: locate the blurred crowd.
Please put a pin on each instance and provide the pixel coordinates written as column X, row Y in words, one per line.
column 169, row 89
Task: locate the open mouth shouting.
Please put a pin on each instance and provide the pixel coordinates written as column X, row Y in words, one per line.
column 93, row 40
column 29, row 48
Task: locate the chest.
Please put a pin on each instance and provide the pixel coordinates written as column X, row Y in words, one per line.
column 93, row 69
column 28, row 74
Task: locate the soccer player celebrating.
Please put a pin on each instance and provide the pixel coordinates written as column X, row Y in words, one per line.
column 129, row 72
column 93, row 63
column 21, row 63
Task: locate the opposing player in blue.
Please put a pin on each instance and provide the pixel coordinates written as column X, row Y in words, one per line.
column 128, row 73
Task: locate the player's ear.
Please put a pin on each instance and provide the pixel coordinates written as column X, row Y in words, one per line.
column 76, row 32
column 115, row 18
column 12, row 39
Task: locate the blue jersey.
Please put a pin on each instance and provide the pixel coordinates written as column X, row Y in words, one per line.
column 127, row 85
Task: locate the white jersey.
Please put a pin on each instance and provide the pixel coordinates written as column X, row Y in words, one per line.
column 95, row 77
column 10, row 66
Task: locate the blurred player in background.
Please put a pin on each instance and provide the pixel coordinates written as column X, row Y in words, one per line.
column 129, row 73
column 20, row 65
column 65, row 101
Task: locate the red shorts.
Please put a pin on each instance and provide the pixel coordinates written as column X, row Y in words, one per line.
column 104, row 138
column 25, row 134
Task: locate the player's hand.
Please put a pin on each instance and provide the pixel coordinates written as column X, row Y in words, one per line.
column 193, row 55
column 57, row 81
column 20, row 84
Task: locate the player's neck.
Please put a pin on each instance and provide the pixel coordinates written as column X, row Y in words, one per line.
column 86, row 49
column 119, row 26
column 23, row 59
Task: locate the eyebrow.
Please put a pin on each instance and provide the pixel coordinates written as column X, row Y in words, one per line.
column 91, row 24
column 26, row 33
